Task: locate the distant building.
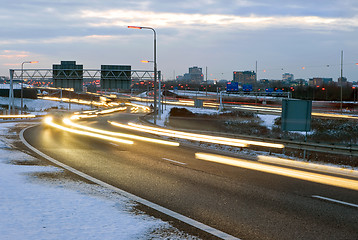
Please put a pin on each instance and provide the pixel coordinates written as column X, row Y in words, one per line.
column 68, row 75
column 3, row 79
column 264, row 81
column 245, row 77
column 287, row 78
column 327, row 81
column 115, row 76
column 298, row 82
column 195, row 75
column 320, row 81
column 342, row 81
column 223, row 81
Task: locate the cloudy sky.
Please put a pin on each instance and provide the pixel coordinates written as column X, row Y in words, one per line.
column 302, row 37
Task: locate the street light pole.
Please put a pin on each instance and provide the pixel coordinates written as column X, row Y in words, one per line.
column 159, row 91
column 341, row 82
column 22, row 80
column 155, row 68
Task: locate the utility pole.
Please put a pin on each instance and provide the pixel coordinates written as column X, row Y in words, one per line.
column 256, row 71
column 206, row 80
column 341, row 81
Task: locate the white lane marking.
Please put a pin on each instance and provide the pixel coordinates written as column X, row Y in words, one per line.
column 335, row 201
column 167, row 159
column 143, row 201
column 114, row 144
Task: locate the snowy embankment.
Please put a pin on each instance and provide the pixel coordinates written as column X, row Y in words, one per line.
column 55, row 207
column 267, row 120
column 40, row 106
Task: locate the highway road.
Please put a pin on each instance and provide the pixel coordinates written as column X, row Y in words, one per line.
column 244, row 203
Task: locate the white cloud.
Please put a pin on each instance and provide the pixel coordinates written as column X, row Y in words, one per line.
column 10, row 54
column 184, row 20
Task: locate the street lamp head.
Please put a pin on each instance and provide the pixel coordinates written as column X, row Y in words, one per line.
column 29, row 62
column 135, row 27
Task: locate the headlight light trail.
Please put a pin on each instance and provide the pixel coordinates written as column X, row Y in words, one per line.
column 112, row 110
column 298, row 174
column 48, row 121
column 79, row 116
column 334, row 115
column 130, row 136
column 201, row 137
column 145, row 108
column 308, row 165
column 178, row 135
column 18, row 116
column 279, row 110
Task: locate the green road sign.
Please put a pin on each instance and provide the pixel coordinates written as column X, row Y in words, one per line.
column 296, row 115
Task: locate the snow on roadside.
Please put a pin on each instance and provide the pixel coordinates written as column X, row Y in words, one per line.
column 40, row 106
column 35, row 208
column 268, row 120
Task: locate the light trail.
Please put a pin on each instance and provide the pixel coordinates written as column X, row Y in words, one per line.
column 189, row 136
column 202, row 137
column 262, row 109
column 211, row 104
column 178, row 135
column 309, row 166
column 335, row 115
column 130, row 136
column 181, row 103
column 74, row 100
column 279, row 110
column 48, row 121
column 259, row 107
column 112, row 110
column 79, row 116
column 145, row 108
column 86, row 112
column 18, row 116
column 298, row 174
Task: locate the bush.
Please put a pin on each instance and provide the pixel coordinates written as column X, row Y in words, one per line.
column 180, row 112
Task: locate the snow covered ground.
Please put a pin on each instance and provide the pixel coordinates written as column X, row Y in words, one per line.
column 40, row 202
column 34, row 207
column 40, row 106
column 268, row 120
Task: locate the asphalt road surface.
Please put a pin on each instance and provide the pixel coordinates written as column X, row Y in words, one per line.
column 245, row 203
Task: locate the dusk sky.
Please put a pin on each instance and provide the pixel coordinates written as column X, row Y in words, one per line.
column 302, row 37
